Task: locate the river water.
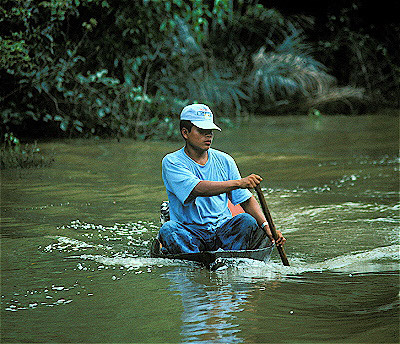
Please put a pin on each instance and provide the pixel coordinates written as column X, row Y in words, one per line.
column 75, row 263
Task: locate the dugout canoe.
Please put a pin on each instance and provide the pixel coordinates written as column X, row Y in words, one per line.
column 210, row 257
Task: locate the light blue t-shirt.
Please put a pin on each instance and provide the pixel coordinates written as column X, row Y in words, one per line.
column 181, row 174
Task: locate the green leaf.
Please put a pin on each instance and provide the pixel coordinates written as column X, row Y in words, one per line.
column 64, row 125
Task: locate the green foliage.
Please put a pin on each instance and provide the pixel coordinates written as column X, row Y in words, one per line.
column 126, row 68
column 288, row 76
column 13, row 51
column 370, row 62
column 13, row 154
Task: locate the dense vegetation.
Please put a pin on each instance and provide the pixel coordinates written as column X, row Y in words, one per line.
column 126, row 68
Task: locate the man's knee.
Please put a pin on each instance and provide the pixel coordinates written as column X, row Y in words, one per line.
column 167, row 229
column 257, row 237
column 167, row 235
column 246, row 220
column 176, row 238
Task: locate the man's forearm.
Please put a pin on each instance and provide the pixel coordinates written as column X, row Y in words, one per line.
column 209, row 188
column 252, row 207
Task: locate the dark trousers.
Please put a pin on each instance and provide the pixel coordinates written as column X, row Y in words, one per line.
column 238, row 233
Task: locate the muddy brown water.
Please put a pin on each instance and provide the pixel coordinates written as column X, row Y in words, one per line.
column 75, row 236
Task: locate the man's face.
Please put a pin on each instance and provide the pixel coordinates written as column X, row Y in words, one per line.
column 197, row 138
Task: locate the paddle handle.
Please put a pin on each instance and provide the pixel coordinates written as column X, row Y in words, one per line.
column 271, row 225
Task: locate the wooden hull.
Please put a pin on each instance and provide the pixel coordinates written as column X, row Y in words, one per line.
column 262, row 254
column 209, row 257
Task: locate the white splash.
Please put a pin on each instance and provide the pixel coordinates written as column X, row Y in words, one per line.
column 360, row 262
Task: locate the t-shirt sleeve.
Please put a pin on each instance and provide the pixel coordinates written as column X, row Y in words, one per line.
column 178, row 179
column 239, row 195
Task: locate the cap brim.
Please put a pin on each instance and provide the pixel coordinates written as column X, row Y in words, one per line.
column 205, row 125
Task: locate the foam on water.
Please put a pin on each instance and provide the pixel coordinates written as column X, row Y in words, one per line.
column 132, row 238
column 376, row 260
column 346, row 207
column 111, row 246
column 337, row 214
column 131, row 262
column 68, row 244
column 50, row 296
column 373, row 260
column 369, row 261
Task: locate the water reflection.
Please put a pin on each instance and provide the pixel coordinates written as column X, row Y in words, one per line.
column 234, row 304
column 208, row 311
column 214, row 303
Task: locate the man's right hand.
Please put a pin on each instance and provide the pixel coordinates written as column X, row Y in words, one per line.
column 250, row 182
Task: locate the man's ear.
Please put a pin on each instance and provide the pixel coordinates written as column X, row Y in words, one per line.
column 185, row 133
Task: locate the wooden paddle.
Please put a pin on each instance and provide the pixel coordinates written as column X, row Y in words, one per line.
column 271, row 225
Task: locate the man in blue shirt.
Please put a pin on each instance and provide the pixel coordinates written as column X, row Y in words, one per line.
column 199, row 181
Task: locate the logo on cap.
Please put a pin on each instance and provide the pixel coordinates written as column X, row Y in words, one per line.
column 204, row 112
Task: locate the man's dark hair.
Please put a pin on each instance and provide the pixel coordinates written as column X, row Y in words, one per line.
column 186, row 124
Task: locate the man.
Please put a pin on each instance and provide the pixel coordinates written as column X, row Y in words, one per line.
column 199, row 181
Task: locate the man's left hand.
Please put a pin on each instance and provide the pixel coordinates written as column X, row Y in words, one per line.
column 281, row 239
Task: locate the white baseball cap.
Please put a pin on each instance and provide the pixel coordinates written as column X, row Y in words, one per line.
column 200, row 115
